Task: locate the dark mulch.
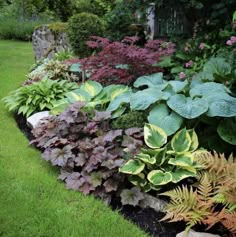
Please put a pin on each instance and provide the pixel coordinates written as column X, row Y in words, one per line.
column 147, row 219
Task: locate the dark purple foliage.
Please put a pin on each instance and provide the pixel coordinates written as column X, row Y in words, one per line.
column 88, row 152
column 123, row 62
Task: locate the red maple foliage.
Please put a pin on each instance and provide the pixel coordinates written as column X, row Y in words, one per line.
column 123, row 62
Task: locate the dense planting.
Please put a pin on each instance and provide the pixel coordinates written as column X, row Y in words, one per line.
column 88, row 152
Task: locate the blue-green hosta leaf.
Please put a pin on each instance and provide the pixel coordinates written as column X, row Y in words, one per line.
column 168, row 120
column 118, row 100
column 178, row 86
column 75, row 67
column 158, row 177
column 182, row 160
column 138, row 180
column 218, row 67
column 222, row 105
column 227, row 131
column 146, row 158
column 154, row 136
column 180, row 174
column 181, row 142
column 93, row 88
column 154, row 80
column 207, row 89
column 141, row 100
column 194, row 139
column 187, row 107
column 132, row 167
column 78, row 95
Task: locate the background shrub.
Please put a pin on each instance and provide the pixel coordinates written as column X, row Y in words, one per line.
column 81, row 27
column 13, row 28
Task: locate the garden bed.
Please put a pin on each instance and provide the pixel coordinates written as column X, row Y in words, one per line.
column 147, row 219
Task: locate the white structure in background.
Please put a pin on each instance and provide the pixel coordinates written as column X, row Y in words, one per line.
column 151, row 23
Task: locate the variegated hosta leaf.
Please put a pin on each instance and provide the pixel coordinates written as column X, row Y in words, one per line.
column 78, row 95
column 112, row 91
column 159, row 154
column 120, row 99
column 138, row 180
column 146, row 158
column 194, row 139
column 154, row 136
column 132, row 167
column 158, row 177
column 181, row 142
column 182, row 160
column 93, row 88
column 180, row 174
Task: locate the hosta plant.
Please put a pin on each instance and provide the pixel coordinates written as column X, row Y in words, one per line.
column 112, row 98
column 163, row 163
column 38, row 96
column 86, row 149
column 212, row 199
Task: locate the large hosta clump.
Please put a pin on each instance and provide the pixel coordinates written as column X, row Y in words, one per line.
column 88, row 152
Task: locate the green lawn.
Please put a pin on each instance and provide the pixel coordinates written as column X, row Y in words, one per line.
column 33, row 203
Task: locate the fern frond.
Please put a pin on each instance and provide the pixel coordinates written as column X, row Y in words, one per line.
column 205, row 190
column 229, row 221
column 184, row 206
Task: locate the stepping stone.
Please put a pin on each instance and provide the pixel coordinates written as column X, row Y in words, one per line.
column 193, row 233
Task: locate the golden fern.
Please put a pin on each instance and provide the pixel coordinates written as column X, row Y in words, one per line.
column 215, row 162
column 228, row 219
column 185, row 205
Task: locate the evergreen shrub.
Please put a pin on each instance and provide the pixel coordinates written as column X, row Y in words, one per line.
column 81, row 26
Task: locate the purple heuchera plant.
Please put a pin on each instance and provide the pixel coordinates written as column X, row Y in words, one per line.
column 85, row 148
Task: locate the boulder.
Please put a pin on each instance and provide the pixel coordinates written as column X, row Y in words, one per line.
column 47, row 42
column 34, row 119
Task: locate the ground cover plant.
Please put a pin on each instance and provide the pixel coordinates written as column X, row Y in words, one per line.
column 32, row 201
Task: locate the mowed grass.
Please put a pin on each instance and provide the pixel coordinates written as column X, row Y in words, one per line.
column 33, row 203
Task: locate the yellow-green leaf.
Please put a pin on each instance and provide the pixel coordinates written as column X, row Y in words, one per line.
column 181, row 174
column 154, row 136
column 146, row 158
column 194, row 139
column 182, row 160
column 158, row 177
column 181, row 141
column 132, row 167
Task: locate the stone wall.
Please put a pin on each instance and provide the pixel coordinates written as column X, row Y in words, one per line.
column 47, row 42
